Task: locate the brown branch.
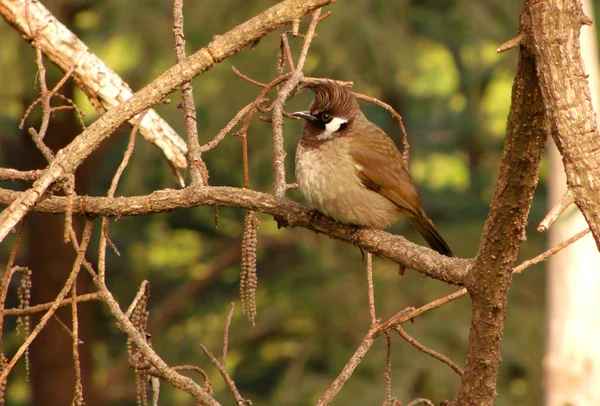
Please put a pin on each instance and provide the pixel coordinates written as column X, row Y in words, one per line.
column 226, row 333
column 489, row 279
column 222, row 46
column 85, row 239
column 239, row 400
column 510, row 44
column 565, row 201
column 142, row 291
column 388, row 370
column 403, row 316
column 397, row 117
column 167, row 373
column 348, row 370
column 103, row 86
column 111, row 192
column 194, row 156
column 89, row 297
column 14, row 175
column 428, row 351
column 551, row 31
column 380, row 243
column 247, row 79
column 370, row 289
column 280, row 185
column 8, row 272
column 77, row 363
column 232, row 123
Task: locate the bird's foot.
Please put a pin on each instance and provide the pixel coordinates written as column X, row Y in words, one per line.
column 314, row 215
column 355, row 237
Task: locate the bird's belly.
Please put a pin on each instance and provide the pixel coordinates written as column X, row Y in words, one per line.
column 331, row 186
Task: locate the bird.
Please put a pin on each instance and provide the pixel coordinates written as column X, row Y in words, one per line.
column 349, row 169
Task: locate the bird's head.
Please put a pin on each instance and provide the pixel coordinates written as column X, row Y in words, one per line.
column 331, row 112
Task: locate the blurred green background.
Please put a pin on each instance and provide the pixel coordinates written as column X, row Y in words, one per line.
column 434, row 61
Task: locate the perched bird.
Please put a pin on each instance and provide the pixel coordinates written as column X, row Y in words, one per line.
column 350, row 169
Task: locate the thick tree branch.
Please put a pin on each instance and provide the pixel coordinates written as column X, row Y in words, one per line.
column 381, row 243
column 552, row 35
column 489, row 279
column 222, row 46
column 103, row 86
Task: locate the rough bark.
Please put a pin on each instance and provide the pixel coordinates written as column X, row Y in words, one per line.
column 551, row 34
column 572, row 360
column 381, row 243
column 489, row 279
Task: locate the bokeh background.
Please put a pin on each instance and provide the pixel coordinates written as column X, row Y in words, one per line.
column 434, row 61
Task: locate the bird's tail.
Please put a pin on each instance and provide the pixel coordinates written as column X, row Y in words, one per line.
column 431, row 235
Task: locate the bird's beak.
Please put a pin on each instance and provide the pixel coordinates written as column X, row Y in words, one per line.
column 305, row 115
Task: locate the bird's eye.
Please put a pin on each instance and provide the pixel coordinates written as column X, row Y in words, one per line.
column 325, row 117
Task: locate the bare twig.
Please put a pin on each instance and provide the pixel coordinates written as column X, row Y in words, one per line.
column 565, row 201
column 232, row 123
column 370, row 288
column 428, row 351
column 89, row 297
column 226, row 334
column 397, row 117
column 179, row 381
column 348, row 369
column 388, row 371
column 194, row 156
column 239, row 401
column 78, row 400
column 510, row 44
column 279, row 154
column 142, row 291
column 111, row 193
column 247, row 79
column 293, row 214
column 8, row 272
column 87, row 231
column 421, row 401
column 14, row 175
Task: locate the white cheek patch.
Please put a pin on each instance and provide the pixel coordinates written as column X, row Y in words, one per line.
column 332, row 127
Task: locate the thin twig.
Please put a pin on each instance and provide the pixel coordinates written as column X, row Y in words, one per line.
column 397, row 117
column 348, row 370
column 286, row 52
column 140, row 293
column 232, row 123
column 87, row 231
column 565, row 201
column 388, row 370
column 88, row 297
column 310, row 32
column 198, row 171
column 226, row 334
column 371, row 290
column 111, row 193
column 77, row 364
column 428, row 351
column 230, row 383
column 8, row 272
column 510, row 44
column 247, row 79
column 14, row 175
column 402, row 316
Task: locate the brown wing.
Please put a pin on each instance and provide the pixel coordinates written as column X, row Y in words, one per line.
column 380, row 168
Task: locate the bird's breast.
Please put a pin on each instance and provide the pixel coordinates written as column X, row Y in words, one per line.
column 327, row 176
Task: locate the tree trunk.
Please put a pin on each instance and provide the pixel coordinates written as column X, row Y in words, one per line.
column 572, row 361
